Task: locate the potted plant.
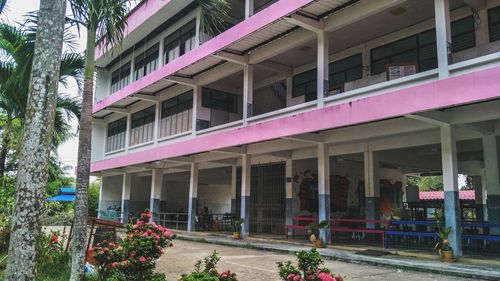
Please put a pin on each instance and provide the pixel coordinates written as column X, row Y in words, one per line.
column 237, row 228
column 443, row 246
column 313, row 229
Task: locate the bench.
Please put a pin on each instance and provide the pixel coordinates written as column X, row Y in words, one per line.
column 485, row 236
column 392, row 231
column 353, row 229
column 296, row 225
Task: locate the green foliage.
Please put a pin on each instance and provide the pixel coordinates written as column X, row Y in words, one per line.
column 213, row 15
column 93, row 202
column 236, row 227
column 53, row 262
column 209, row 271
column 427, row 183
column 308, row 268
column 135, row 257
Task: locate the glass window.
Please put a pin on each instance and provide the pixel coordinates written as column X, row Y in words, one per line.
column 305, row 84
column 180, row 42
column 462, row 34
column 494, row 23
column 146, row 62
column 143, row 117
column 120, row 77
column 117, row 127
column 177, row 104
column 219, row 100
column 345, row 70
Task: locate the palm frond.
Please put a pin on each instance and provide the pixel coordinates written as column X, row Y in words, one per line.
column 213, row 13
column 72, row 65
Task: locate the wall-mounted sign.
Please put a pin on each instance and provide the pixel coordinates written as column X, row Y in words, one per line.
column 395, row 71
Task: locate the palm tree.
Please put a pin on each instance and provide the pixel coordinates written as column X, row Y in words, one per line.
column 33, row 164
column 104, row 20
column 17, row 48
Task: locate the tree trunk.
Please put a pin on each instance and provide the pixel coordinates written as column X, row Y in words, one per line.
column 83, row 169
column 5, row 144
column 33, row 164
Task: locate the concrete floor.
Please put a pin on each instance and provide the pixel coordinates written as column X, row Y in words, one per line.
column 260, row 265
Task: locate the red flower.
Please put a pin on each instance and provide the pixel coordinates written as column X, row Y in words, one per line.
column 142, row 259
column 54, row 239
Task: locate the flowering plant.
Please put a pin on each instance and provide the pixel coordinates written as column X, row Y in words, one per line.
column 209, row 272
column 307, row 269
column 135, row 257
column 51, row 257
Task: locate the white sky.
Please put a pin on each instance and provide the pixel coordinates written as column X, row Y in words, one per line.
column 14, row 12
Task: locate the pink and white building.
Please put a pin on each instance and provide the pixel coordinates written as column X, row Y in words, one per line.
column 315, row 108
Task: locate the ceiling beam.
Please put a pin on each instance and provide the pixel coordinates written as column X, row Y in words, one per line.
column 306, row 23
column 117, row 110
column 151, row 98
column 276, row 67
column 182, row 80
column 231, row 57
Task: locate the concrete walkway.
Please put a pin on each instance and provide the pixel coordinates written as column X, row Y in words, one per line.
column 405, row 262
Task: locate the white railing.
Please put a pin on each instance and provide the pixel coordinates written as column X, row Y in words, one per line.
column 115, row 142
column 142, row 134
column 176, row 123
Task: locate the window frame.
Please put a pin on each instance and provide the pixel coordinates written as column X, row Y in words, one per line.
column 179, row 105
column 178, row 39
column 114, row 128
column 142, row 60
column 493, row 24
column 143, row 117
column 207, row 100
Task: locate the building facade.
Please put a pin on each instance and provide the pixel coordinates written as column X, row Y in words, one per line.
column 318, row 108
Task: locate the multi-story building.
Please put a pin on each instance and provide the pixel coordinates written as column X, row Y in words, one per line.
column 315, row 108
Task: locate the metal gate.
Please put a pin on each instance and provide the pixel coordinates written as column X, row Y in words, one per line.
column 267, row 199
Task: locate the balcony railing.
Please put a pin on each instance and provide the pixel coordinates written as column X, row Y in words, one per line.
column 142, row 134
column 176, row 123
column 115, row 142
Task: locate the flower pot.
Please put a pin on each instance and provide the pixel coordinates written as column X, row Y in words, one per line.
column 236, row 235
column 447, row 256
column 317, row 243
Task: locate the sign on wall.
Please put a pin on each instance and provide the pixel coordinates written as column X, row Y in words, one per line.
column 395, row 71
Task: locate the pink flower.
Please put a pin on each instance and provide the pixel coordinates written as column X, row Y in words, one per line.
column 142, row 259
column 167, row 233
column 115, row 264
column 338, row 277
column 325, row 276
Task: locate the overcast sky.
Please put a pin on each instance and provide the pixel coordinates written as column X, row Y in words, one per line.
column 14, row 12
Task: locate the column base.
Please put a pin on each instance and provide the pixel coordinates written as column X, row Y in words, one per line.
column 125, row 210
column 245, row 214
column 289, row 213
column 324, row 215
column 452, row 219
column 193, row 210
column 493, row 203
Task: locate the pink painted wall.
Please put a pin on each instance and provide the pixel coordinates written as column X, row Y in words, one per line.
column 237, row 32
column 467, row 88
column 137, row 17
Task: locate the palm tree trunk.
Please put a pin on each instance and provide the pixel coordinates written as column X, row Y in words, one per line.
column 83, row 169
column 40, row 114
column 5, row 145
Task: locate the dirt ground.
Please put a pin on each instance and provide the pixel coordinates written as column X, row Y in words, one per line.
column 260, row 265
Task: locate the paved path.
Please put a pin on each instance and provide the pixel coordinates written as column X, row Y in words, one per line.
column 260, row 265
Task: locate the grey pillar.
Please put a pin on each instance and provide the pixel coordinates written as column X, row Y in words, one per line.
column 193, row 198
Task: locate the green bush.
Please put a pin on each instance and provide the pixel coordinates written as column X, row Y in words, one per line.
column 53, row 263
column 209, row 271
column 308, row 268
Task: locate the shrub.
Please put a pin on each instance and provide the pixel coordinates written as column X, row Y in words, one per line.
column 135, row 257
column 53, row 262
column 209, row 272
column 307, row 269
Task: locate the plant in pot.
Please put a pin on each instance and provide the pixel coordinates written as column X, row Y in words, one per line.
column 443, row 246
column 237, row 228
column 313, row 229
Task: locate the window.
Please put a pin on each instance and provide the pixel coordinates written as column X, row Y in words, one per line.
column 117, row 127
column 219, row 100
column 494, row 23
column 180, row 42
column 462, row 34
column 421, row 48
column 143, row 117
column 177, row 104
column 340, row 72
column 305, row 84
column 146, row 62
column 120, row 77
column 345, row 70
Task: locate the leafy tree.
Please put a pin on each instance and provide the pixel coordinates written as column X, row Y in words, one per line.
column 33, row 164
column 94, row 188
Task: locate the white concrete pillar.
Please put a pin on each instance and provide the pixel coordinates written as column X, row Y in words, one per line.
column 247, row 92
column 372, row 186
column 126, row 189
column 492, row 179
column 156, row 190
column 249, row 8
column 480, row 196
column 289, row 90
column 193, row 197
column 127, row 132
column 322, row 64
column 289, row 193
column 100, row 206
column 452, row 212
column 156, row 132
column 443, row 35
column 324, row 190
column 234, row 171
column 246, row 168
